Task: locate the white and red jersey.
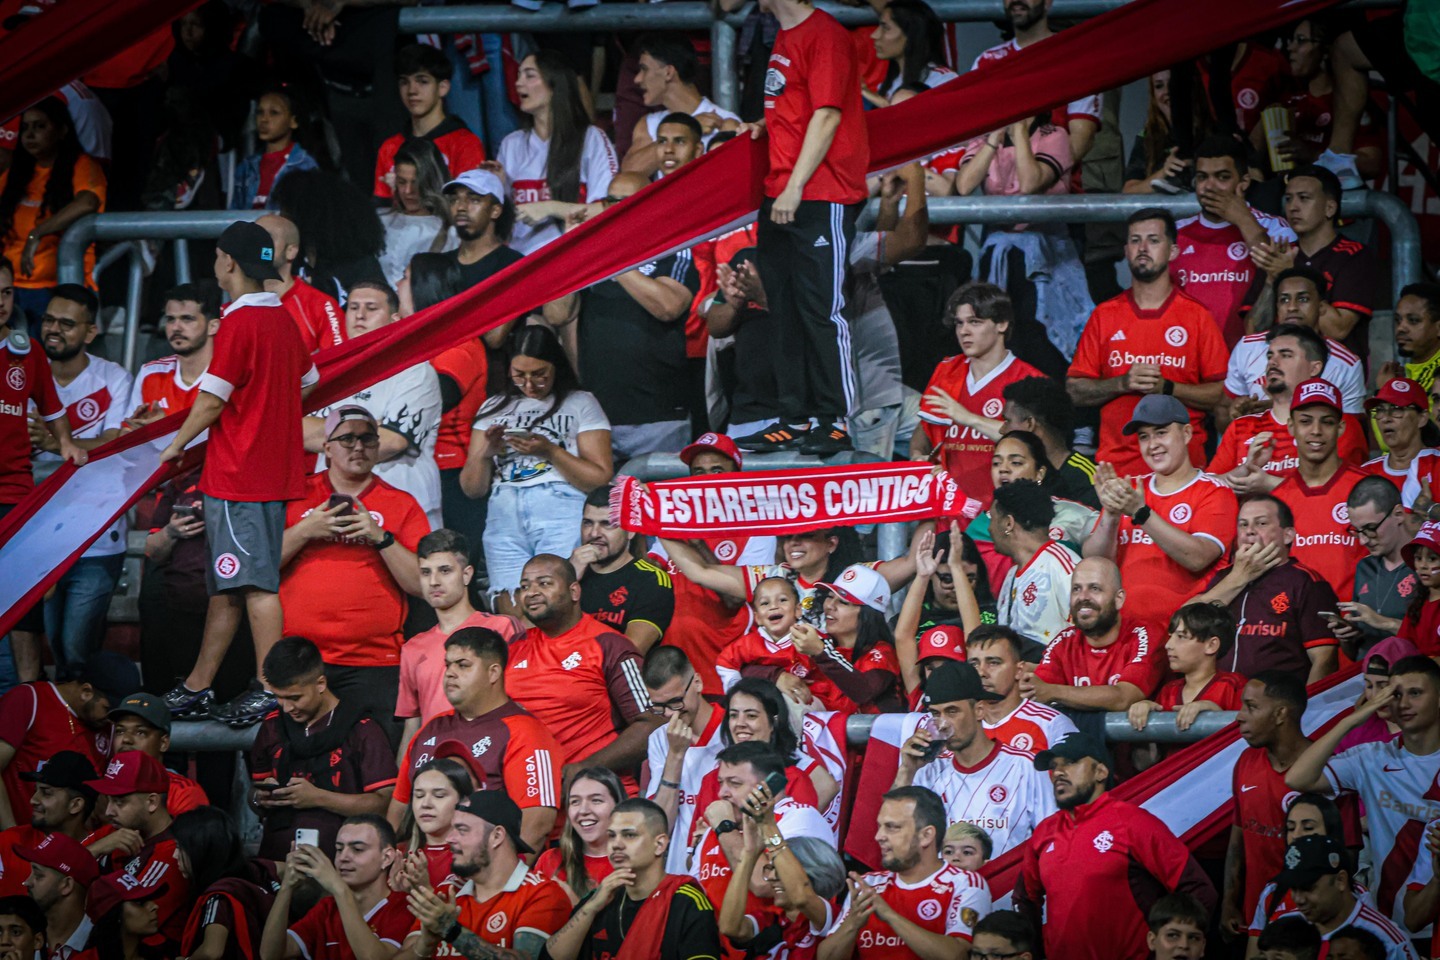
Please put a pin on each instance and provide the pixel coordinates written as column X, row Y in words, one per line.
column 963, row 452
column 1133, row 657
column 699, row 760
column 161, row 384
column 1031, row 727
column 524, row 156
column 1086, row 108
column 1245, row 375
column 1235, row 443
column 1401, row 796
column 949, row 901
column 1422, row 476
column 1003, row 794
column 710, row 866
column 1034, row 600
column 88, row 116
column 1365, row 917
column 1214, row 266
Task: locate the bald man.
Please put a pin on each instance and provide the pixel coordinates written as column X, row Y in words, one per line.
column 319, row 317
column 1105, row 660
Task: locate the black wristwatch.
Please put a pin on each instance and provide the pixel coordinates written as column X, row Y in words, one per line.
column 726, row 826
column 1142, row 515
column 1168, row 388
column 454, row 932
column 386, row 540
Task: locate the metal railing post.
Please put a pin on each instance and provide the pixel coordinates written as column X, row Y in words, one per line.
column 724, row 65
column 149, row 225
column 181, row 249
column 134, row 293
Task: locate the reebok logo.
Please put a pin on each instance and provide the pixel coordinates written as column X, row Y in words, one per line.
column 821, row 242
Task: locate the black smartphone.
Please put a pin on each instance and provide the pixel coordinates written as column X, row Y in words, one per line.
column 267, row 786
column 776, row 783
column 190, row 511
column 336, row 499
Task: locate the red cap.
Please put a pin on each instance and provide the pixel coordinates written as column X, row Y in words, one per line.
column 59, row 852
column 1400, row 392
column 132, row 772
column 1427, row 536
column 1317, row 392
column 716, row 442
column 462, row 752
column 111, row 890
column 942, row 640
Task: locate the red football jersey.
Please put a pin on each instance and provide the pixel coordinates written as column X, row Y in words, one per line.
column 1235, row 443
column 318, row 316
column 964, row 453
column 1181, row 338
column 156, row 863
column 37, row 722
column 1214, row 266
column 1134, row 657
column 1155, row 585
column 469, row 367
column 320, row 933
column 1223, row 690
column 812, row 65
column 515, row 750
column 459, row 148
column 184, row 794
column 1254, row 82
column 1323, row 541
column 1032, row 727
column 160, row 385
column 1260, row 798
column 530, row 903
column 422, row 665
column 27, row 378
column 1421, row 476
column 949, row 901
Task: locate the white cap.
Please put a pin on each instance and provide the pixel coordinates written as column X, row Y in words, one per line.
column 861, row 585
column 480, row 181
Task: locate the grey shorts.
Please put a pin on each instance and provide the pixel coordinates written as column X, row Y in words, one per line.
column 244, row 540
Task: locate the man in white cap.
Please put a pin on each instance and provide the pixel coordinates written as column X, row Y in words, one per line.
column 482, row 218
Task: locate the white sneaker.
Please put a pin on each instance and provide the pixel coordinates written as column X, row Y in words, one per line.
column 1343, row 166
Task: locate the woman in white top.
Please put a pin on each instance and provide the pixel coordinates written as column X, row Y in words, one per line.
column 418, row 220
column 560, row 159
column 537, row 450
column 911, row 38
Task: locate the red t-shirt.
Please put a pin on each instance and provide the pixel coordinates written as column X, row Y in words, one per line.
column 338, row 593
column 270, row 164
column 1214, row 267
column 469, row 367
column 14, row 870
column 27, row 377
column 1223, row 690
column 1134, row 657
column 38, row 723
column 184, row 794
column 320, row 934
column 812, row 65
column 549, row 864
column 460, row 149
column 1425, row 632
column 159, row 384
column 1323, row 541
column 584, row 684
column 1254, row 82
column 515, row 750
column 1180, row 337
column 1284, row 458
column 422, row 665
column 1260, row 795
column 964, row 453
column 531, row 902
column 157, row 863
column 256, row 451
column 319, row 318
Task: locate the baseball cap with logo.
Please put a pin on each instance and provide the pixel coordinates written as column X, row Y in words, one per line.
column 1077, row 746
column 951, row 682
column 147, row 707
column 1400, row 392
column 1427, row 536
column 1317, row 393
column 346, row 413
column 131, row 772
column 862, row 586
column 481, row 182
column 496, row 808
column 111, row 890
column 1310, row 858
column 713, row 443
column 462, row 751
column 252, row 248
column 66, row 854
column 67, row 769
column 942, row 640
column 1156, row 410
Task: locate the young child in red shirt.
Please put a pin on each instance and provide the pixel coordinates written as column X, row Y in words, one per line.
column 775, row 604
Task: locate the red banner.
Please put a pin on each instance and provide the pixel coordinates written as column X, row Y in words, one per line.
column 718, row 192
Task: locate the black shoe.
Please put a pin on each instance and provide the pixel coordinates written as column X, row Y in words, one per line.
column 247, row 709
column 187, row 704
column 774, row 438
column 827, row 441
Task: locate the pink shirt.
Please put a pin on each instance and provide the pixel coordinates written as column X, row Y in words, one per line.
column 1051, row 146
column 422, row 666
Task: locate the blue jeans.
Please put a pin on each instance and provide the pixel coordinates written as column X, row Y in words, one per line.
column 75, row 616
column 522, row 522
column 482, row 102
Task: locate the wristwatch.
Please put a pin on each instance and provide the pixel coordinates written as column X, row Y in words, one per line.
column 774, row 843
column 386, row 540
column 1141, row 515
column 726, row 826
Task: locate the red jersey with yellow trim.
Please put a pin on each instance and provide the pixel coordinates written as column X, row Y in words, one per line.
column 320, row 934
column 160, row 385
column 1260, row 798
column 37, row 722
column 1323, row 541
column 1421, row 476
column 1180, row 337
column 1284, row 458
column 949, row 901
column 27, row 380
column 1031, row 727
column 1135, row 657
column 318, row 316
column 515, row 750
column 964, row 453
column 584, row 685
column 1155, row 584
column 529, row 903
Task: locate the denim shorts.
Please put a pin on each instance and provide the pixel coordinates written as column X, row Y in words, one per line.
column 526, row 520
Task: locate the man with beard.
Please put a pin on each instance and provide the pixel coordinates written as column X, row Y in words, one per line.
column 659, row 915
column 996, row 653
column 1417, row 334
column 1103, row 662
column 635, row 597
column 62, row 803
column 503, row 902
column 1092, row 872
column 162, row 387
column 577, row 676
column 1402, row 418
column 978, row 780
column 1152, row 339
column 915, row 904
column 96, row 394
column 482, row 218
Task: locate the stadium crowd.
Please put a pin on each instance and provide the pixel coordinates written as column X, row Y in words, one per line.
column 489, row 721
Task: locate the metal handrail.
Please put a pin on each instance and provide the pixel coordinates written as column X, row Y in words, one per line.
column 147, row 225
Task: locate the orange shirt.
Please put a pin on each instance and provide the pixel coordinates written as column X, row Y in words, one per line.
column 1235, row 443
column 88, row 176
column 530, row 903
column 467, row 365
column 1323, row 541
column 1181, row 338
column 160, row 385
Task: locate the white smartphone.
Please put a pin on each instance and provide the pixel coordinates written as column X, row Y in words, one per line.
column 516, row 432
column 305, row 837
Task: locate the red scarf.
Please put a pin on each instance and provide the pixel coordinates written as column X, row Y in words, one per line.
column 643, row 940
column 781, row 502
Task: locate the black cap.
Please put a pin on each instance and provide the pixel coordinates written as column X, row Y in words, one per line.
column 1156, row 410
column 66, row 769
column 956, row 681
column 1077, row 746
column 111, row 673
column 252, row 247
column 147, row 707
column 1310, row 858
column 495, row 807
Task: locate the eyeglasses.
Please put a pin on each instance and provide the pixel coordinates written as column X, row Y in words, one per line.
column 348, row 441
column 1371, row 530
column 663, row 708
column 1387, row 410
column 522, row 378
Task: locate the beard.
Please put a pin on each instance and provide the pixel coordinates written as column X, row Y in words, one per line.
column 1146, row 274
column 468, row 233
column 1027, row 19
column 1105, row 620
column 469, row 868
column 899, row 863
column 63, row 353
column 1079, row 798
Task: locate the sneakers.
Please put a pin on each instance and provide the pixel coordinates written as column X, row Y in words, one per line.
column 1343, row 166
column 187, row 704
column 247, row 709
column 774, row 438
column 827, row 441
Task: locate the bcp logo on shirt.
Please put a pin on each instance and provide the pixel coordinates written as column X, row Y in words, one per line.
column 1177, row 336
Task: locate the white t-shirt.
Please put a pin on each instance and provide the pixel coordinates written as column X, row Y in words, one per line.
column 935, row 74
column 652, row 119
column 407, row 235
column 523, row 156
column 1004, row 795
column 579, row 414
column 409, row 403
column 699, row 760
column 1034, row 600
column 1245, row 376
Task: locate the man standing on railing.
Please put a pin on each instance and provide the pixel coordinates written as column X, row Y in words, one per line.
column 819, row 152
